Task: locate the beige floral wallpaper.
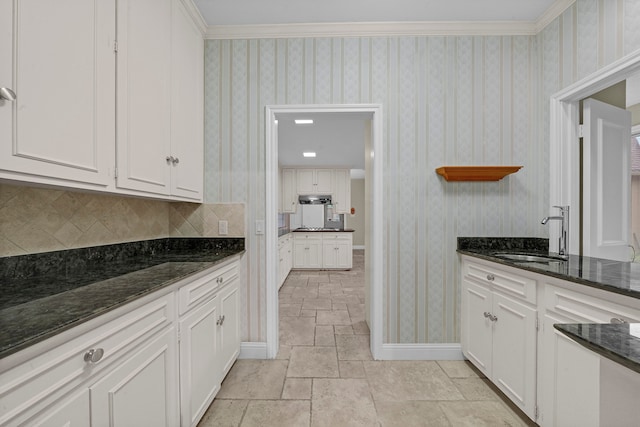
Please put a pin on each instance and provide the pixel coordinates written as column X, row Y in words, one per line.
column 36, row 220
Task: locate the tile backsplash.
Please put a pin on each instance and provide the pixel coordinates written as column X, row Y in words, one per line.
column 36, row 220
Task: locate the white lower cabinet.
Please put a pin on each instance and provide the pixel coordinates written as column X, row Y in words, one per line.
column 554, row 380
column 337, row 250
column 570, row 375
column 209, row 338
column 307, row 251
column 499, row 334
column 73, row 411
column 141, row 391
column 151, row 363
column 285, row 258
column 199, row 348
column 322, row 250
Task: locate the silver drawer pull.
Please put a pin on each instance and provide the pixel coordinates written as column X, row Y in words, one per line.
column 490, row 316
column 93, row 355
column 220, row 320
column 491, row 277
column 618, row 321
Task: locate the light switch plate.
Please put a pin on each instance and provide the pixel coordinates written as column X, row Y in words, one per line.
column 223, row 228
column 259, row 226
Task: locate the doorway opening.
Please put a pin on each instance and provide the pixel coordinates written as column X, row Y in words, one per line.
column 565, row 159
column 373, row 228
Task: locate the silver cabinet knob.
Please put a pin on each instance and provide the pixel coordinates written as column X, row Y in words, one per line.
column 93, row 355
column 7, row 94
column 490, row 277
column 176, row 161
column 220, row 320
column 169, row 159
column 487, row 314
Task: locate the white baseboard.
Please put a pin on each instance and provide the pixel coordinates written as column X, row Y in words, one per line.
column 358, row 247
column 421, row 352
column 253, row 350
column 258, row 350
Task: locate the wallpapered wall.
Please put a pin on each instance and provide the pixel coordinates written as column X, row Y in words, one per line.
column 447, row 101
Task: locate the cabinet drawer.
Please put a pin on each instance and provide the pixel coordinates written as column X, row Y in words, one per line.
column 201, row 289
column 503, row 281
column 307, row 236
column 337, row 236
column 587, row 308
column 40, row 380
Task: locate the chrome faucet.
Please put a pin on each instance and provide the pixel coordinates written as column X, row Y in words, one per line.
column 563, row 241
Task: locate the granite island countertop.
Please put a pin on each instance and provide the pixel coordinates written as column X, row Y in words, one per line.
column 46, row 294
column 617, row 342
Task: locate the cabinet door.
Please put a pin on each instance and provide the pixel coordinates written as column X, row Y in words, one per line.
column 229, row 328
column 514, row 352
column 72, row 412
column 187, row 91
column 477, row 330
column 342, row 191
column 344, row 250
column 305, row 181
column 143, row 93
column 61, row 124
column 329, row 254
column 199, row 362
column 288, row 191
column 324, row 181
column 307, row 253
column 143, row 390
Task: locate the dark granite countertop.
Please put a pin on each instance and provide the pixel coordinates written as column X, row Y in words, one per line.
column 323, row 230
column 45, row 294
column 283, row 232
column 617, row 342
column 613, row 276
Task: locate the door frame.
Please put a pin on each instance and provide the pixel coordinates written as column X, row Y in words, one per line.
column 375, row 211
column 564, row 151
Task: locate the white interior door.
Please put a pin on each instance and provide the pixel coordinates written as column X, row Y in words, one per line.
column 606, row 181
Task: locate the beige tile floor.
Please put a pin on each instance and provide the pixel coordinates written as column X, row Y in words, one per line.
column 324, row 374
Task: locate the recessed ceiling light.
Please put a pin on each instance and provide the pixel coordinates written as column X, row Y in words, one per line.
column 309, row 154
column 303, row 121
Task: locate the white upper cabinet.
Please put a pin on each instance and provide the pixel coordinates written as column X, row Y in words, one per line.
column 314, row 181
column 59, row 60
column 187, row 105
column 288, row 194
column 342, row 191
column 160, row 99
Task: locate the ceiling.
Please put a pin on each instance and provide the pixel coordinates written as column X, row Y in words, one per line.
column 337, row 139
column 257, row 12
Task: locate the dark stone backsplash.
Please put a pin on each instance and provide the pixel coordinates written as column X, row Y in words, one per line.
column 524, row 244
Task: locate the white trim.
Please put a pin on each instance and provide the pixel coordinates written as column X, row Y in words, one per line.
column 555, row 10
column 421, row 352
column 358, row 246
column 253, row 350
column 377, row 176
column 563, row 145
column 635, row 130
column 371, row 29
column 195, row 14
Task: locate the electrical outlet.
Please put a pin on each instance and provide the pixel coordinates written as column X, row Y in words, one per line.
column 223, row 228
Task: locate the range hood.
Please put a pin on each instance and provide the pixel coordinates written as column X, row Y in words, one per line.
column 314, row 200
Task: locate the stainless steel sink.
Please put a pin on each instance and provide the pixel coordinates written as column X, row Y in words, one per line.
column 528, row 258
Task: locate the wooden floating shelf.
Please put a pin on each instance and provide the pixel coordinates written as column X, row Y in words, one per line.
column 476, row 173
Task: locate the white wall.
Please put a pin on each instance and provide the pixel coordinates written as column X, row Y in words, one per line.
column 447, row 101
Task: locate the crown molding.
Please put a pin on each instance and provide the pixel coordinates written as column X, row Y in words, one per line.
column 382, row 29
column 370, row 29
column 195, row 15
column 555, row 10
